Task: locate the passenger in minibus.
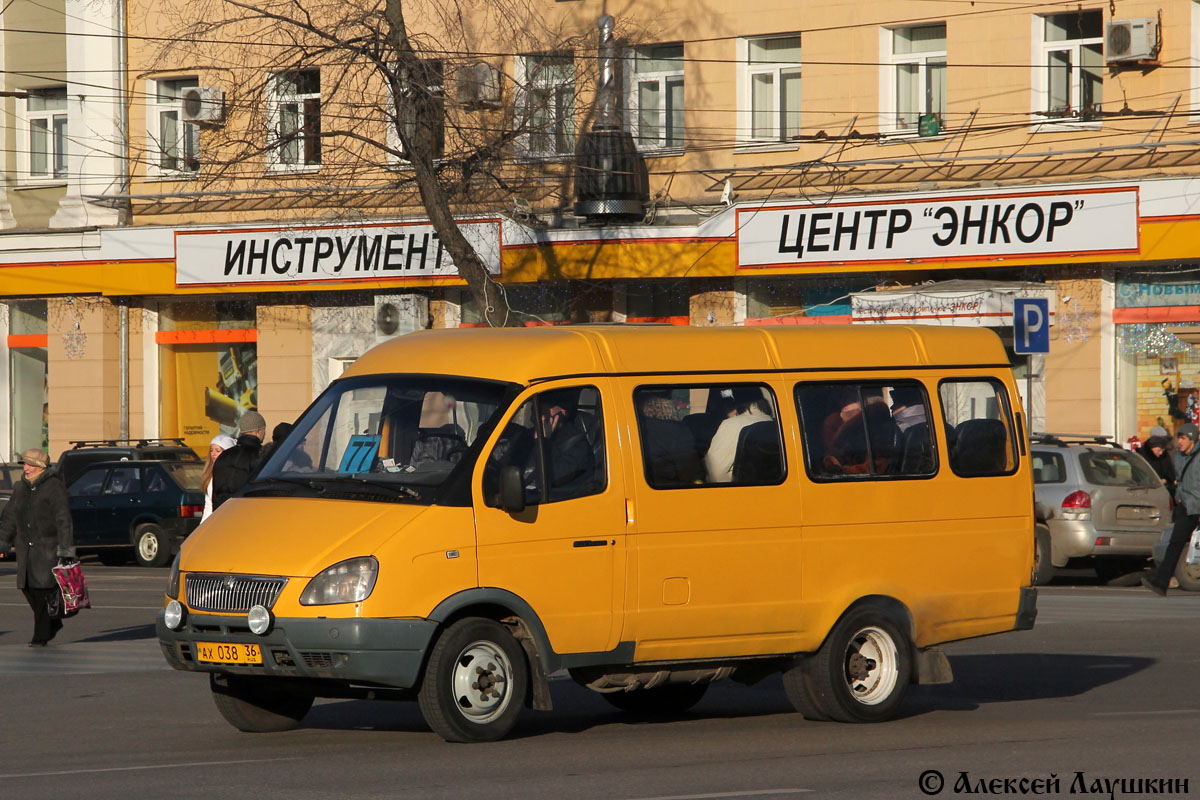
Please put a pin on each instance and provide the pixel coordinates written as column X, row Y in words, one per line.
column 749, row 407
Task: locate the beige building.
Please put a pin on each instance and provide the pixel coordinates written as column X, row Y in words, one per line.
column 225, row 223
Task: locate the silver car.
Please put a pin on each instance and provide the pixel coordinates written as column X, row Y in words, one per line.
column 1188, row 575
column 1097, row 505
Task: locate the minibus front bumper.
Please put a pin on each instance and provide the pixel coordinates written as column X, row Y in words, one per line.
column 388, row 652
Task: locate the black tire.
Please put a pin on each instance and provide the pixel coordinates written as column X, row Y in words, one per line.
column 258, row 705
column 863, row 669
column 662, row 701
column 1187, row 575
column 114, row 557
column 798, row 684
column 1043, row 569
column 150, row 546
column 475, row 683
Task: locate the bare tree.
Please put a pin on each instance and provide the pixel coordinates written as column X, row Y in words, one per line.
column 429, row 115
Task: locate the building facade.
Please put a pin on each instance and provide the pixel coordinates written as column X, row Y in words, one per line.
column 226, row 223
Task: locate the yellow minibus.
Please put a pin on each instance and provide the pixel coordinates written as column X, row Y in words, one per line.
column 645, row 509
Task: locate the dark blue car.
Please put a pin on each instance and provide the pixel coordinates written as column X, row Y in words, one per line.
column 143, row 508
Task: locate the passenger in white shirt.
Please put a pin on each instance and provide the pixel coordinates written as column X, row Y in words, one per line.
column 748, row 409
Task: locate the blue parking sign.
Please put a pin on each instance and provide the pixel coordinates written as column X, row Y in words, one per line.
column 1031, row 325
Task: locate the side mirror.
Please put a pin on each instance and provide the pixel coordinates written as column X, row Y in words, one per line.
column 512, row 489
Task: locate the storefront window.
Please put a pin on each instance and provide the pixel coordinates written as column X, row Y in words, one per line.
column 28, row 373
column 208, row 360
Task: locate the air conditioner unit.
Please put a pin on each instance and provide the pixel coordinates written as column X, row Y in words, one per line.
column 478, row 86
column 1131, row 40
column 203, row 104
column 397, row 314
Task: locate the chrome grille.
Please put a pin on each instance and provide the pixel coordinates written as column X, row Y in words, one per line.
column 232, row 593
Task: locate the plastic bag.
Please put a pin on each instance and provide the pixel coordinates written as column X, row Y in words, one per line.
column 1193, row 549
column 73, row 588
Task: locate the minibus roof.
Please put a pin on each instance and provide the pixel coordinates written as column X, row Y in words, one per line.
column 527, row 355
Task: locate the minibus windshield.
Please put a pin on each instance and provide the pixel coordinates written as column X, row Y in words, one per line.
column 393, row 436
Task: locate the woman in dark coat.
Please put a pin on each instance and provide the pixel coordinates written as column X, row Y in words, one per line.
column 37, row 522
column 1157, row 453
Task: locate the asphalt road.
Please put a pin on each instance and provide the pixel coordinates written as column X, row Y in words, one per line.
column 1103, row 688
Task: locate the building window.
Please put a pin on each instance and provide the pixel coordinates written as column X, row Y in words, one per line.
column 47, row 116
column 917, row 75
column 174, row 144
column 1072, row 59
column 771, row 86
column 658, row 95
column 295, row 119
column 549, row 103
column 429, row 78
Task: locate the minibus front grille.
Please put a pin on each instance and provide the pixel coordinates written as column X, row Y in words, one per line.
column 232, row 593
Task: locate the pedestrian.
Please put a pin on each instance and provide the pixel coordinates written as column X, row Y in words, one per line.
column 1157, row 452
column 219, row 444
column 37, row 521
column 1187, row 507
column 234, row 467
column 278, row 434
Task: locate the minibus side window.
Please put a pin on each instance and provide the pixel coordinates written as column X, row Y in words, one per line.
column 859, row 430
column 556, row 438
column 709, row 435
column 979, row 428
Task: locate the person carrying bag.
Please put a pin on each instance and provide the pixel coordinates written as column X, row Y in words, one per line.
column 1186, row 514
column 37, row 523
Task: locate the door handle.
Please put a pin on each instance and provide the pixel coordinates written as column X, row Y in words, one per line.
column 591, row 543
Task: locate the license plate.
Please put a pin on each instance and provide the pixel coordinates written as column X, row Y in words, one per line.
column 228, row 653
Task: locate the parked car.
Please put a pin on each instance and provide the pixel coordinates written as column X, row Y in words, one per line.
column 72, row 462
column 143, row 508
column 9, row 475
column 1187, row 574
column 1097, row 505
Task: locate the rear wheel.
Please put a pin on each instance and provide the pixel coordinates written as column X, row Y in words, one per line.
column 475, row 682
column 862, row 671
column 150, row 546
column 1187, row 574
column 1043, row 568
column 666, row 700
column 798, row 683
column 258, row 705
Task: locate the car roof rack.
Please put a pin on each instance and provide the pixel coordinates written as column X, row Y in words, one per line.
column 78, row 444
column 1066, row 439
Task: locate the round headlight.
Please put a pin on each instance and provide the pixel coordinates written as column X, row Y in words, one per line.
column 173, row 615
column 259, row 619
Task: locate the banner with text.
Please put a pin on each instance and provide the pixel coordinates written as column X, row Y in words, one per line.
column 996, row 226
column 302, row 255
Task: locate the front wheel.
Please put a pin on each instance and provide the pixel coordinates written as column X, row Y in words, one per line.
column 150, row 547
column 258, row 705
column 661, row 701
column 475, row 682
column 1187, row 574
column 863, row 670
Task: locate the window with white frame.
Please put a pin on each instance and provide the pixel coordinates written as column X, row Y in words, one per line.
column 294, row 112
column 771, row 85
column 46, row 117
column 658, row 96
column 918, row 75
column 1072, row 65
column 428, row 79
column 549, row 103
column 174, row 144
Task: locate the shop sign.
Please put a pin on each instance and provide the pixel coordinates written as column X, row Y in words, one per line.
column 995, row 226
column 1149, row 295
column 307, row 254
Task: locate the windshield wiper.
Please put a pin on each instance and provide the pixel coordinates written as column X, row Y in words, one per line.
column 390, row 487
column 307, row 483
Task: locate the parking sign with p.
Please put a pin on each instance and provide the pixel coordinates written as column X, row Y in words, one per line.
column 1031, row 325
